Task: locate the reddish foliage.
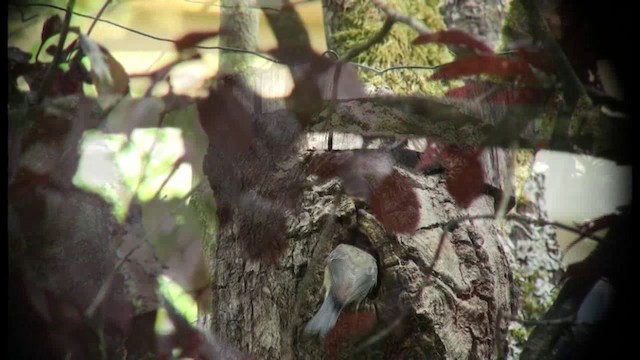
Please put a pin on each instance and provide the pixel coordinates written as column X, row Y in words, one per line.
column 225, row 118
column 465, row 176
column 395, row 204
column 537, row 58
column 359, row 170
column 499, row 95
column 192, row 39
column 262, row 229
column 51, row 27
column 430, row 156
column 349, row 327
column 456, row 38
column 508, row 68
column 326, row 165
column 65, row 83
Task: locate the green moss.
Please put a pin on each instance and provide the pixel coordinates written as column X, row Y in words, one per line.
column 532, row 306
column 515, row 23
column 203, row 204
column 520, row 335
column 522, row 162
column 363, row 20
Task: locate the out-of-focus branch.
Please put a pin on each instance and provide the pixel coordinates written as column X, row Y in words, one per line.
column 396, row 16
column 48, row 76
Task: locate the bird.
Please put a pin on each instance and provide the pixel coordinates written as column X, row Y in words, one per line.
column 349, row 276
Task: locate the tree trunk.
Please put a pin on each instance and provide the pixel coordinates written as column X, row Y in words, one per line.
column 263, row 309
column 456, row 312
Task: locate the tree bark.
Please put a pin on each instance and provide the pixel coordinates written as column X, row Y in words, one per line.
column 457, row 312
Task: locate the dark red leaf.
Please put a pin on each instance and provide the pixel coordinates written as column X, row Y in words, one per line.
column 455, row 37
column 430, row 156
column 469, row 90
column 51, row 27
column 465, row 176
column 64, row 84
column 537, row 58
column 313, row 77
column 508, row 68
column 262, row 229
column 192, row 39
column 395, row 204
column 71, row 46
column 326, row 165
column 348, row 328
column 51, row 50
column 225, row 117
column 525, row 95
column 360, row 170
column 498, row 94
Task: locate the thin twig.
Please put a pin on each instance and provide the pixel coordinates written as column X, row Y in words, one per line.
column 353, row 52
column 175, row 167
column 508, row 190
column 532, row 322
column 572, row 86
column 380, row 335
column 446, row 227
column 211, row 3
column 158, row 38
column 394, row 68
column 542, row 222
column 95, row 20
column 445, row 230
column 572, row 244
column 48, row 77
column 102, row 293
column 26, row 19
column 396, row 16
column 230, row 49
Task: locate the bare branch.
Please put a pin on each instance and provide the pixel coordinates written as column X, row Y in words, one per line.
column 355, row 51
column 396, row 16
column 508, row 190
column 100, row 12
column 572, row 87
column 532, row 322
column 48, row 76
column 212, row 3
column 104, row 289
column 175, row 167
column 448, row 226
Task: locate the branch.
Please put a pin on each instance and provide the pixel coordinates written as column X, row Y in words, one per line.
column 211, row 3
column 102, row 293
column 353, row 52
column 396, row 16
column 532, row 322
column 48, row 77
column 95, row 20
column 508, row 191
column 572, row 87
column 449, row 225
column 175, row 167
column 154, row 37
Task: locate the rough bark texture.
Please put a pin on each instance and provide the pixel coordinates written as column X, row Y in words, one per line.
column 480, row 18
column 456, row 313
column 239, row 29
column 263, row 309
